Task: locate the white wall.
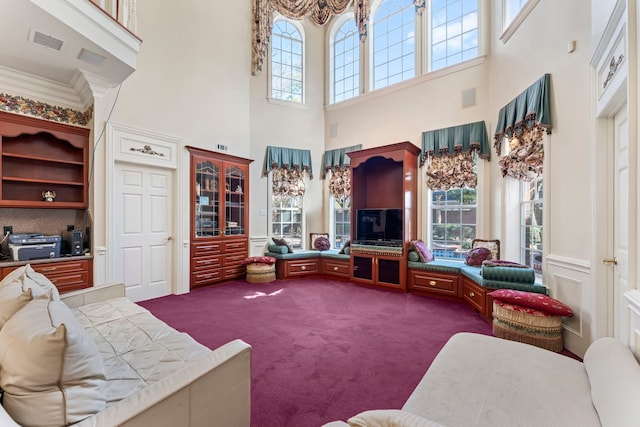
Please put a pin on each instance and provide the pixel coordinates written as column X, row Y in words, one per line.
column 290, row 125
column 192, row 83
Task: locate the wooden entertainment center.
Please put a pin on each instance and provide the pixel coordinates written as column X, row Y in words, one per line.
column 384, row 178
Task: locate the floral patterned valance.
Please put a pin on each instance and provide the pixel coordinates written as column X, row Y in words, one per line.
column 526, row 154
column 449, row 141
column 532, row 108
column 287, row 158
column 454, row 171
column 288, row 182
column 337, row 159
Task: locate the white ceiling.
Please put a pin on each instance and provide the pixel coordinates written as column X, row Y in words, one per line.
column 80, row 25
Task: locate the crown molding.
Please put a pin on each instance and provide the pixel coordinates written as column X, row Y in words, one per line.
column 34, row 87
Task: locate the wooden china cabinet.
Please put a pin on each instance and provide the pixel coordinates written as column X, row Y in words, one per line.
column 219, row 216
column 384, row 178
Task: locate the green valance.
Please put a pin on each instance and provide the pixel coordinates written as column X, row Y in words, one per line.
column 337, row 159
column 531, row 108
column 287, row 158
column 456, row 139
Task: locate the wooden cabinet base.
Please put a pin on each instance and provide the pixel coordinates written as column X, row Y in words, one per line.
column 67, row 274
column 434, row 283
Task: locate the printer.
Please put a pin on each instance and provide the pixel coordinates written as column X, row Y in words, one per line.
column 28, row 246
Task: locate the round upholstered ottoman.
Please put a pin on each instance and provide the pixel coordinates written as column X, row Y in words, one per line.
column 527, row 325
column 260, row 269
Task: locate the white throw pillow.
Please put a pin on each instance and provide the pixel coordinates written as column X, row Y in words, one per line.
column 52, row 373
column 389, row 418
column 19, row 287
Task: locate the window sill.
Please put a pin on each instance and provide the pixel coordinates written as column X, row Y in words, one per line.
column 283, row 103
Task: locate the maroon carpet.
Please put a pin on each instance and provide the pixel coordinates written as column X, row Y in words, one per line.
column 323, row 350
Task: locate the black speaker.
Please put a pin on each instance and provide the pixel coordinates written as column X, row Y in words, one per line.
column 72, row 242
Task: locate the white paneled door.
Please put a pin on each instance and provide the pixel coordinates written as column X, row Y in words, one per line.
column 620, row 262
column 143, row 240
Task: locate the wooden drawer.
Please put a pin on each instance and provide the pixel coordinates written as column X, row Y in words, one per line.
column 335, row 267
column 207, row 248
column 235, row 246
column 66, row 275
column 233, row 271
column 300, row 267
column 206, row 277
column 437, row 283
column 70, row 281
column 474, row 294
column 234, row 259
column 206, row 263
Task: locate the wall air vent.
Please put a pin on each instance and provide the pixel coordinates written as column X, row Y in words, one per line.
column 46, row 40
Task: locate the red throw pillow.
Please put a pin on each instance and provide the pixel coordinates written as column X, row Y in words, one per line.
column 477, row 255
column 533, row 300
column 424, row 253
column 259, row 260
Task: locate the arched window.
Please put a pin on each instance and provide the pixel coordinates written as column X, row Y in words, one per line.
column 454, row 32
column 346, row 61
column 287, row 59
column 394, row 43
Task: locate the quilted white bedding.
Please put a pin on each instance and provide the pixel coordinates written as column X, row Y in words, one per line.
column 137, row 348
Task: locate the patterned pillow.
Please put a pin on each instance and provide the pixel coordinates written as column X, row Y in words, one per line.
column 522, row 309
column 259, row 260
column 283, row 242
column 424, row 252
column 533, row 300
column 346, row 249
column 322, row 243
column 477, row 255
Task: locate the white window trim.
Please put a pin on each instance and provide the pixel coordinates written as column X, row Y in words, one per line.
column 482, row 203
column 371, row 36
column 510, row 247
column 517, row 21
column 299, row 26
column 303, row 240
column 335, row 26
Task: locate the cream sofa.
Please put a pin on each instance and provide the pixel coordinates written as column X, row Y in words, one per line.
column 144, row 372
column 479, row 380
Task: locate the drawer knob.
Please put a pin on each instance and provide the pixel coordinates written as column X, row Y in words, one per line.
column 471, row 294
column 335, row 268
column 304, row 267
column 433, row 282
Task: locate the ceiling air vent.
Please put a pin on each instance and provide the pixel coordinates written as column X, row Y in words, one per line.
column 46, row 40
column 91, row 57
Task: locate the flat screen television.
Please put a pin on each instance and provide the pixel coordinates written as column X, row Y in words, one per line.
column 379, row 225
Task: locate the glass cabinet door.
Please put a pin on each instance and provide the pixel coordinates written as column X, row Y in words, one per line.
column 207, row 212
column 235, row 189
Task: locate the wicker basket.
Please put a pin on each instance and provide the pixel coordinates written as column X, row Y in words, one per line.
column 261, row 273
column 541, row 331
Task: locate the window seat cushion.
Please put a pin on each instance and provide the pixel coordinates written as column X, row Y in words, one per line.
column 307, row 253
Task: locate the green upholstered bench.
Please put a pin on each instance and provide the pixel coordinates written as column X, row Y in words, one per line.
column 455, row 279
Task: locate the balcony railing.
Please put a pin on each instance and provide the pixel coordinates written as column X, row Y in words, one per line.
column 123, row 11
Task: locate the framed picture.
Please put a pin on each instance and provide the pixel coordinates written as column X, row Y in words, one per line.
column 314, row 236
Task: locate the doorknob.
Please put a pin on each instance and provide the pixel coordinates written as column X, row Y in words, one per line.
column 169, row 239
column 610, row 261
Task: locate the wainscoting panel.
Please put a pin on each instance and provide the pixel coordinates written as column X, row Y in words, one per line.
column 570, row 283
column 634, row 321
column 257, row 245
